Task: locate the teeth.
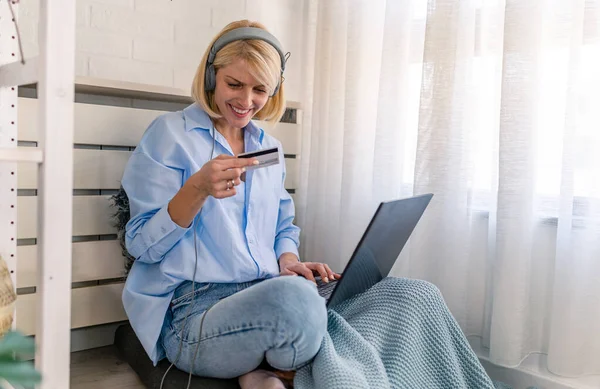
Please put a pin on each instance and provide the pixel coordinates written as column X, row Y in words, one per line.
column 240, row 111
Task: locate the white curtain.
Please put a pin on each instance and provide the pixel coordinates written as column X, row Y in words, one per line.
column 493, row 106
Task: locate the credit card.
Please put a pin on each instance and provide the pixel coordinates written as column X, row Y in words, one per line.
column 265, row 157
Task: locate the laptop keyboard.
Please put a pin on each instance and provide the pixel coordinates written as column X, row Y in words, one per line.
column 325, row 289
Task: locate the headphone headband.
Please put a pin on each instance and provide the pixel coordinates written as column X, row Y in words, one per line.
column 242, row 33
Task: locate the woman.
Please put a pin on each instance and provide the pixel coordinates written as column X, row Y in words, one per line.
column 211, row 234
column 207, row 233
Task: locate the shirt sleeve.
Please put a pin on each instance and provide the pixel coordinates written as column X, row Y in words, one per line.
column 287, row 236
column 150, row 184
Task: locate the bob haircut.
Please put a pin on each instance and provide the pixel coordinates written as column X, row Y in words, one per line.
column 264, row 64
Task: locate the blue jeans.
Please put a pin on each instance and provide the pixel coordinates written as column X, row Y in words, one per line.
column 281, row 319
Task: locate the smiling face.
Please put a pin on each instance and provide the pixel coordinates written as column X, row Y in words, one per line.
column 238, row 95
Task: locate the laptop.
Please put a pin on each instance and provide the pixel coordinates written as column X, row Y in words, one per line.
column 378, row 249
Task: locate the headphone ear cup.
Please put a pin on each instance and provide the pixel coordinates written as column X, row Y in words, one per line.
column 210, row 78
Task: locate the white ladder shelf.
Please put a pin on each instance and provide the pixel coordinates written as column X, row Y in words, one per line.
column 21, row 154
column 53, row 70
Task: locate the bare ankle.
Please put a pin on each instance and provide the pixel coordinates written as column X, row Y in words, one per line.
column 260, row 379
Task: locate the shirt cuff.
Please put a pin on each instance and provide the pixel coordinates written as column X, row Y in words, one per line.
column 162, row 232
column 286, row 245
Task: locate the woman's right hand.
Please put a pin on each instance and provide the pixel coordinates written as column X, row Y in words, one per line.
column 212, row 179
column 219, row 177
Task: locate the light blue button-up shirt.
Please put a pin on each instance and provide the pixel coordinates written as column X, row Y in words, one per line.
column 239, row 239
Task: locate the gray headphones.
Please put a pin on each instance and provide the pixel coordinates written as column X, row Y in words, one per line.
column 242, row 33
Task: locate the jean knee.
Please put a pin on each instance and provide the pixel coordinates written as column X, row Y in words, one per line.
column 298, row 298
column 307, row 307
column 303, row 313
column 300, row 303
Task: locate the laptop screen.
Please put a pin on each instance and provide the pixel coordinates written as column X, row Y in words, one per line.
column 380, row 246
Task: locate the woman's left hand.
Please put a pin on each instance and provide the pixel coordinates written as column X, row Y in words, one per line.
column 290, row 266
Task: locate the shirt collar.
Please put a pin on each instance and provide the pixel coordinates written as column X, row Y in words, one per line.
column 255, row 131
column 196, row 117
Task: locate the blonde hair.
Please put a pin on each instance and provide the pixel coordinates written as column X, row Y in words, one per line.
column 264, row 64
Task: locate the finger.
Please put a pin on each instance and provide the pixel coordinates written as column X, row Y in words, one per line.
column 292, row 270
column 231, row 174
column 223, row 194
column 332, row 275
column 319, row 268
column 221, row 157
column 238, row 163
column 303, row 271
column 223, row 185
column 287, row 272
column 226, row 185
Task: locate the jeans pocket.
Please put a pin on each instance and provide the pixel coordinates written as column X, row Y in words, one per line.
column 186, row 299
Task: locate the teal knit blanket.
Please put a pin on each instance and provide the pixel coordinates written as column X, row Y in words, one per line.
column 398, row 334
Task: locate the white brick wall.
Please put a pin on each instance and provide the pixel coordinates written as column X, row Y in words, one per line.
column 161, row 41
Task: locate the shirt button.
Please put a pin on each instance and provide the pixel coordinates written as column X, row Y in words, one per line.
column 251, row 241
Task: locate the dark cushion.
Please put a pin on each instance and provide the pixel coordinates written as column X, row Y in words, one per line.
column 134, row 354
